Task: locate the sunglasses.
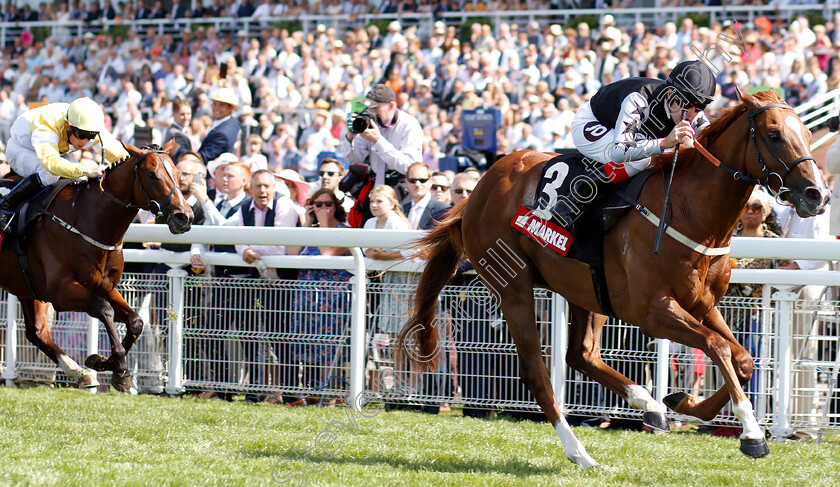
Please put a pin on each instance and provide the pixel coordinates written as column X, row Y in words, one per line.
column 699, row 106
column 81, row 134
column 328, row 173
column 417, row 180
column 462, row 191
column 319, row 204
column 756, row 207
column 439, row 187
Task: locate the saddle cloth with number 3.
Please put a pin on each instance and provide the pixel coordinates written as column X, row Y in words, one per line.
column 599, row 214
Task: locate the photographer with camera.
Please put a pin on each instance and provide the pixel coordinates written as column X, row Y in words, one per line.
column 381, row 133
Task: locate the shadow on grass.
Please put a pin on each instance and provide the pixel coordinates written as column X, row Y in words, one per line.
column 510, row 466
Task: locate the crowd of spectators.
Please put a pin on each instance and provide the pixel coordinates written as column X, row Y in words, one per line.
column 291, row 93
column 294, row 89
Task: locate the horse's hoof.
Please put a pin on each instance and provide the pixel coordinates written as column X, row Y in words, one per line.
column 585, row 461
column 754, row 448
column 656, row 421
column 121, row 382
column 674, row 400
column 87, row 381
column 96, row 362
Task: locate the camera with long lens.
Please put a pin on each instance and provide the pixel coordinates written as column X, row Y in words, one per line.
column 358, row 122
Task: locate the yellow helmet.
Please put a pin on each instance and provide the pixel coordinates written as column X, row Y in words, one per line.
column 85, row 115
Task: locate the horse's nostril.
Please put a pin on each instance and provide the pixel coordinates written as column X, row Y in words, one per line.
column 180, row 218
column 814, row 195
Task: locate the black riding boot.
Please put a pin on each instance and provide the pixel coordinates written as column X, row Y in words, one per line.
column 9, row 203
column 569, row 207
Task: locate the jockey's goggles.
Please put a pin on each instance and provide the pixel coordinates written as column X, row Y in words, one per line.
column 81, row 134
column 699, row 105
column 687, row 102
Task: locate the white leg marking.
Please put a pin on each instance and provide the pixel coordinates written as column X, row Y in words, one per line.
column 575, row 451
column 744, row 412
column 640, row 398
column 70, row 367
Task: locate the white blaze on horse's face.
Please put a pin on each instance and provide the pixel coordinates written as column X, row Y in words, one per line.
column 795, row 124
column 168, row 167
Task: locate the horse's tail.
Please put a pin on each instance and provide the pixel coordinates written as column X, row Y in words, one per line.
column 443, row 250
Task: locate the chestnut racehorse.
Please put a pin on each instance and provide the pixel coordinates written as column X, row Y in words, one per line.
column 76, row 260
column 671, row 295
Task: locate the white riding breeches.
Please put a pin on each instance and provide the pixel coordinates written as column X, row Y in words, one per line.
column 25, row 162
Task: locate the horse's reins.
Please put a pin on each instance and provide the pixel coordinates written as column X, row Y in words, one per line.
column 738, row 175
column 768, row 174
column 151, row 205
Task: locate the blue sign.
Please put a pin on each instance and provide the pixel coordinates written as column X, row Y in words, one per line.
column 480, row 128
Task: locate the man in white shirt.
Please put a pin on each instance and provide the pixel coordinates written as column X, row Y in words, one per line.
column 392, row 142
column 267, row 209
column 804, row 326
column 226, row 212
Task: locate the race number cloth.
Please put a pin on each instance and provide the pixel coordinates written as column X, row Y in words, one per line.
column 546, row 233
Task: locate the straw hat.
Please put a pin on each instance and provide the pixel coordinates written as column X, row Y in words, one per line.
column 291, row 176
column 226, row 95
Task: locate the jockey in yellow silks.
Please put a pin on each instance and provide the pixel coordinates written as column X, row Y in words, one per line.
column 40, row 140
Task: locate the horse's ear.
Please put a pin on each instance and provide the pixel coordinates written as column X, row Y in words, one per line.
column 745, row 98
column 171, row 147
column 132, row 151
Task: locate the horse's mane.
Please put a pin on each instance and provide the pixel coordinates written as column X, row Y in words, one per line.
column 116, row 164
column 729, row 115
column 718, row 125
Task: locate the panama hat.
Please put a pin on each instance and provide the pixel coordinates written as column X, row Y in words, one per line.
column 226, row 95
column 224, row 159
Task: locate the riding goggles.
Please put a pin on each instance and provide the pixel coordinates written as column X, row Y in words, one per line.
column 81, row 134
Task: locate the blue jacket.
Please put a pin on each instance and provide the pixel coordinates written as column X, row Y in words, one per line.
column 219, row 140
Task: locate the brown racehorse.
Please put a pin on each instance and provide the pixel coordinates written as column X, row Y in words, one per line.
column 671, row 295
column 78, row 269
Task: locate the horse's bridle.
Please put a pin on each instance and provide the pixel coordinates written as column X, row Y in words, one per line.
column 151, row 205
column 767, row 172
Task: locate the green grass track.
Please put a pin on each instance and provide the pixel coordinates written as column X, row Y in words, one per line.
column 68, row 437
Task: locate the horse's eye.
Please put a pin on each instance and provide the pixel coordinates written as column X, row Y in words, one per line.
column 152, row 176
column 775, row 135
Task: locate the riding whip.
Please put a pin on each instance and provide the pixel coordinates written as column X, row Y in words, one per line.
column 660, row 231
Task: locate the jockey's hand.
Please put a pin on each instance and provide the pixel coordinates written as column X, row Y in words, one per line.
column 91, row 169
column 372, row 134
column 682, row 134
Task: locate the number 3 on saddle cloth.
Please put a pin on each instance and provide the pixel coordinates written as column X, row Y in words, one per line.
column 563, row 181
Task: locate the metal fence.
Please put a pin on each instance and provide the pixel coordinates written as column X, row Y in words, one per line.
column 289, row 337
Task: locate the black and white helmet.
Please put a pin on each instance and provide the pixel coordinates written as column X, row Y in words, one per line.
column 694, row 82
